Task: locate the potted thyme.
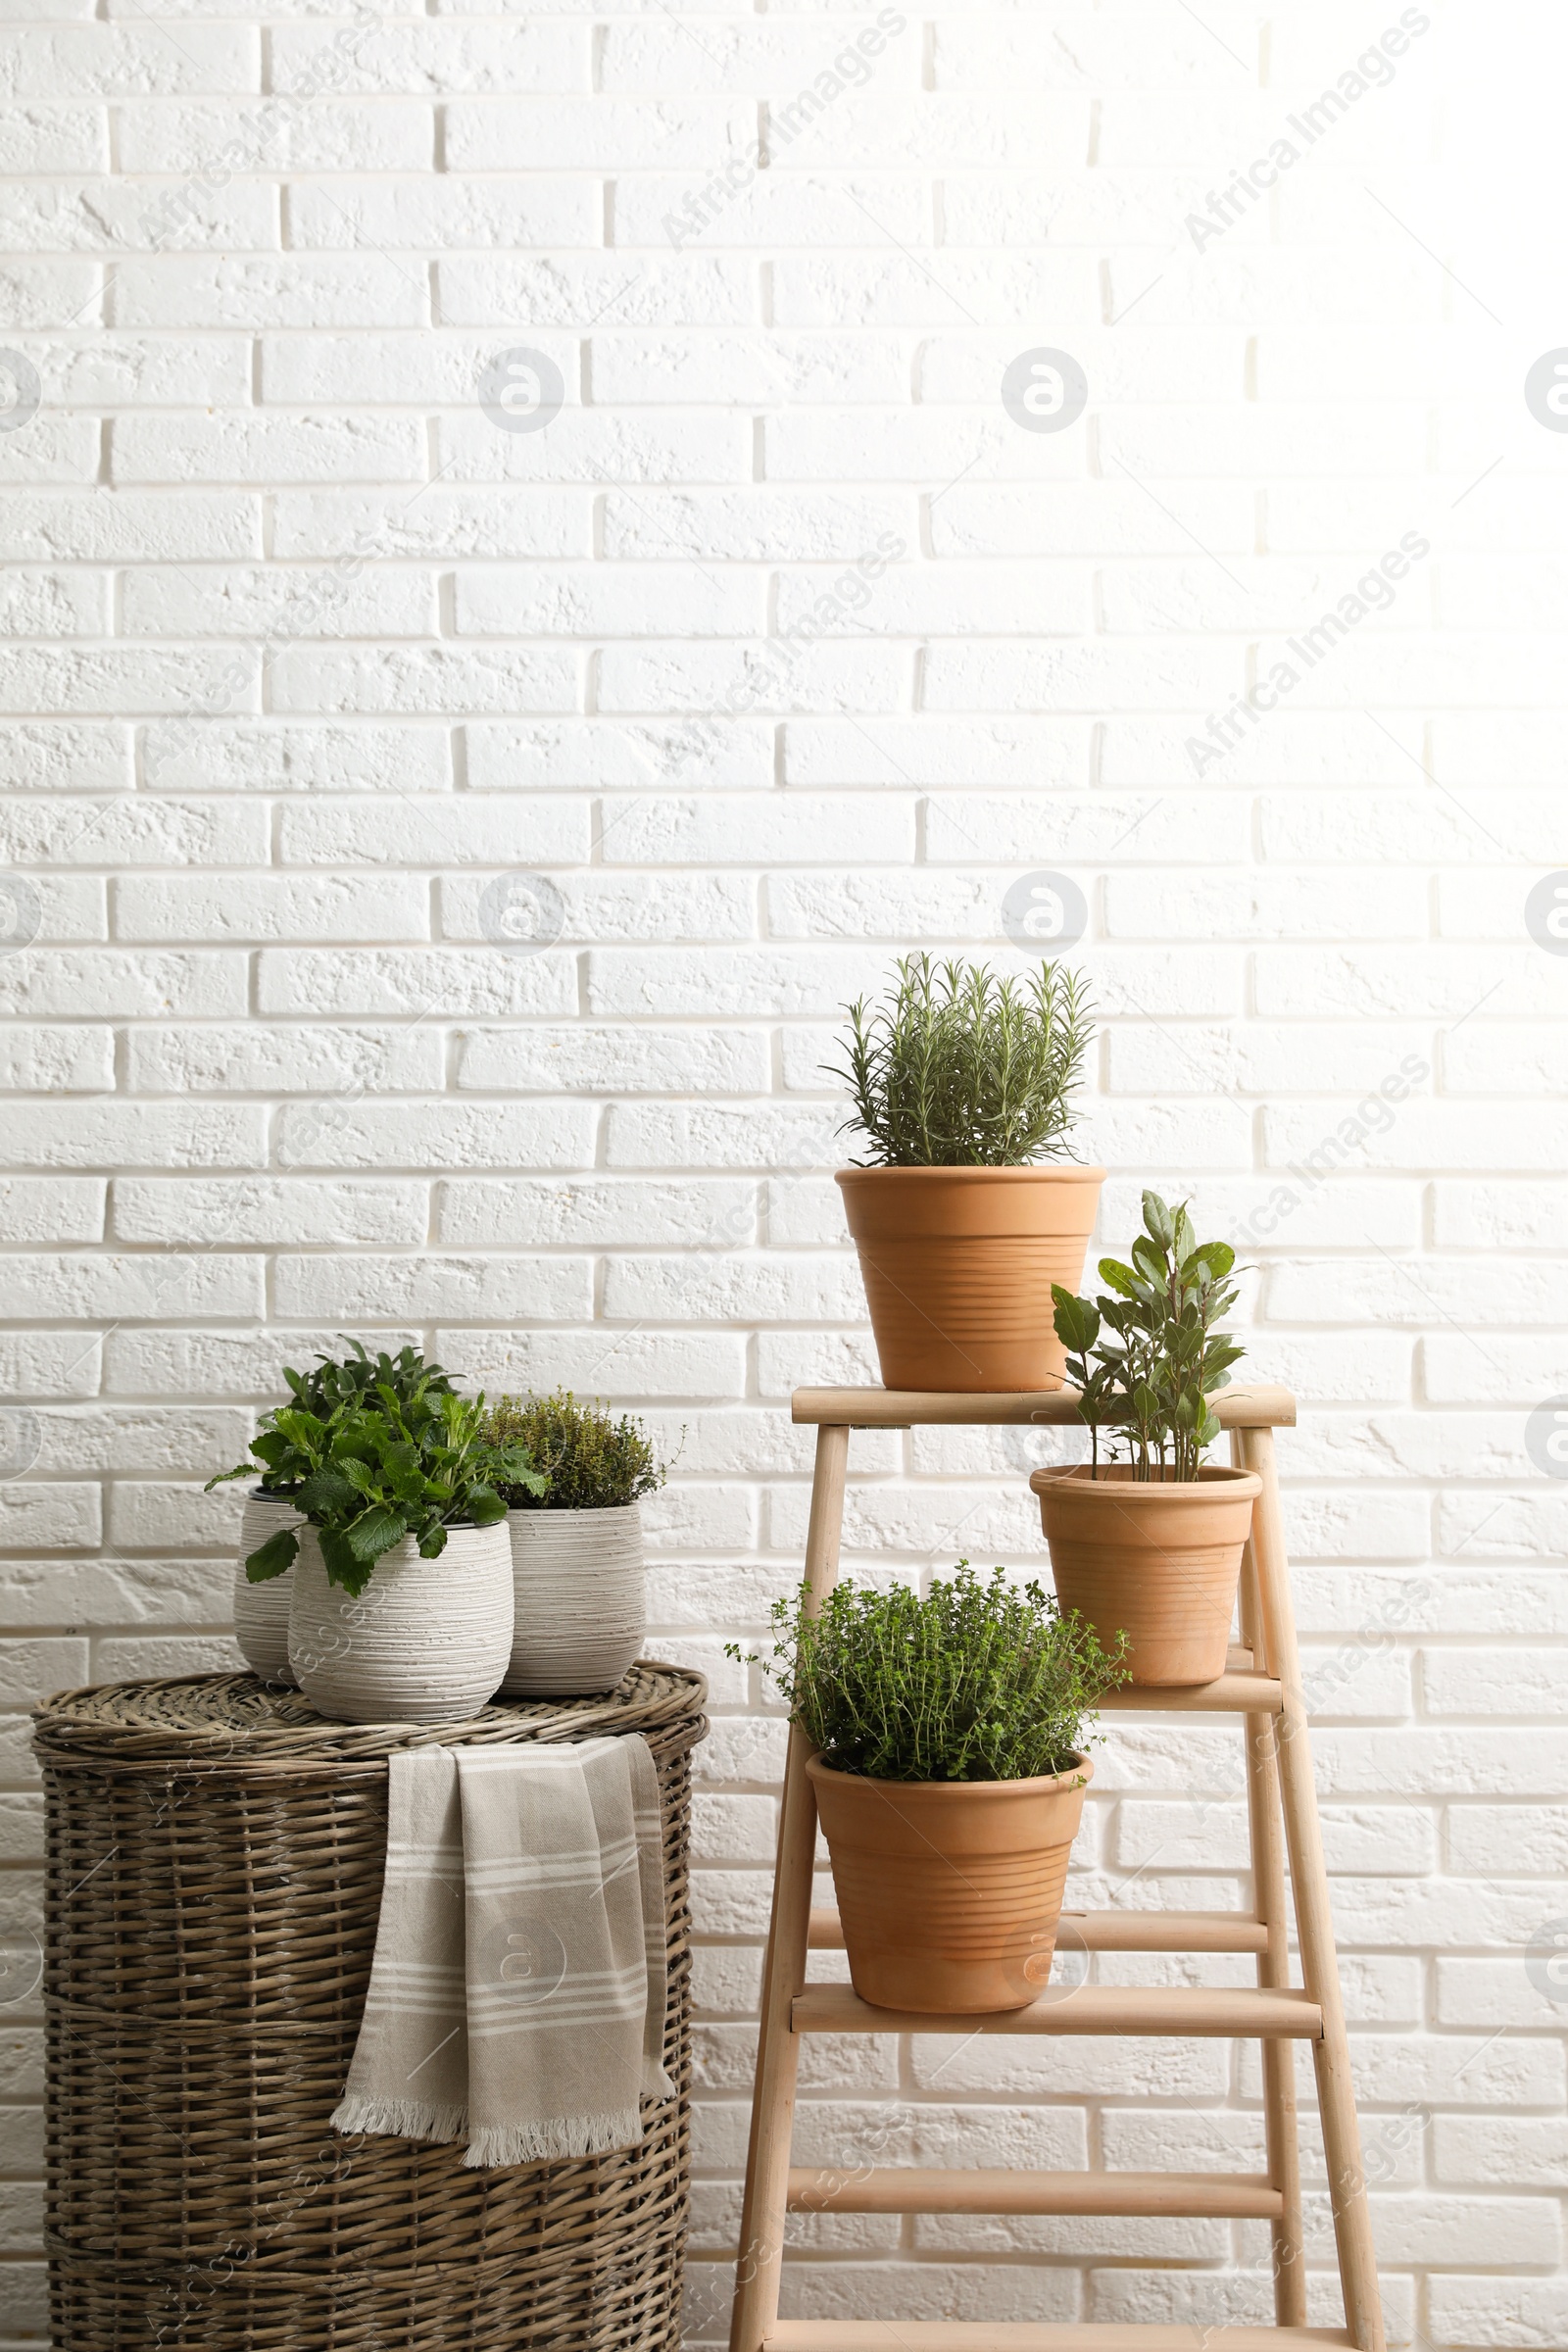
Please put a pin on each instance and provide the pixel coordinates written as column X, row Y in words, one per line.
column 1152, row 1543
column 577, row 1542
column 949, row 1774
column 962, row 1086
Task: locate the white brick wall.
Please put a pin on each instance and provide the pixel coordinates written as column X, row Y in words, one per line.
column 784, row 644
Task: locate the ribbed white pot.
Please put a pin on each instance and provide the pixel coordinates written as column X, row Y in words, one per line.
column 426, row 1642
column 579, row 1591
column 260, row 1612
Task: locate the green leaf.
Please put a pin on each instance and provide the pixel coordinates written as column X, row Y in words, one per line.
column 1157, row 1218
column 485, row 1506
column 1218, row 1256
column 271, row 1558
column 376, row 1531
column 1121, row 1278
column 326, row 1494
column 1077, row 1324
column 341, row 1565
column 300, row 1428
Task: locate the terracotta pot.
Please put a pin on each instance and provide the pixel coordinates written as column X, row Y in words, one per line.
column 260, row 1612
column 1159, row 1560
column 957, row 1266
column 426, row 1642
column 949, row 1890
column 579, row 1581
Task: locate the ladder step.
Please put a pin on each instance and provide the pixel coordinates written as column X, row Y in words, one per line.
column 1177, row 2009
column 1116, row 1931
column 1236, row 1692
column 911, row 2189
column 1027, row 2335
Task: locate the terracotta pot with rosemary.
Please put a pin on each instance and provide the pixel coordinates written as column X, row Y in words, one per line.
column 1151, row 1544
column 950, row 1772
column 962, row 1086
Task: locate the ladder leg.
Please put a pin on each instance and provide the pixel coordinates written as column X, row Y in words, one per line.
column 1342, row 2139
column 767, row 2159
column 1273, row 1967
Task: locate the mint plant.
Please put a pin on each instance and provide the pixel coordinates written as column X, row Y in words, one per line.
column 335, row 1382
column 367, row 1474
column 958, row 1068
column 978, row 1682
column 1148, row 1359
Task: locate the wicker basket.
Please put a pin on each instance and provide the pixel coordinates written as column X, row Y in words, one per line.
column 216, row 1853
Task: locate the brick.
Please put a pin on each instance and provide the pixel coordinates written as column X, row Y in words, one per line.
column 591, row 1210
column 540, row 1288
column 303, row 1060
column 81, row 1135
column 541, row 830
column 40, row 1060
column 301, row 906
column 263, row 756
column 333, row 135
column 621, row 1059
column 270, row 1209
column 596, row 601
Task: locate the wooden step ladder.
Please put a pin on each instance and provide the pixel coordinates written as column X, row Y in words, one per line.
column 1261, row 1683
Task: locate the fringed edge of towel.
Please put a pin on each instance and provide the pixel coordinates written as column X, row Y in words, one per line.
column 552, row 2140
column 401, row 2119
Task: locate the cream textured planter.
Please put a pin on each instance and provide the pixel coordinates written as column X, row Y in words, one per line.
column 426, row 1642
column 579, row 1588
column 260, row 1612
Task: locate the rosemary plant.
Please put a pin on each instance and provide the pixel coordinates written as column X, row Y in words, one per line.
column 979, row 1681
column 1151, row 1382
column 960, row 1069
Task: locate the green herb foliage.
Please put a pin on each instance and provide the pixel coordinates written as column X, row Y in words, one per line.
column 354, row 1378
column 333, row 1384
column 367, row 1474
column 593, row 1461
column 1148, row 1359
column 957, row 1069
column 980, row 1682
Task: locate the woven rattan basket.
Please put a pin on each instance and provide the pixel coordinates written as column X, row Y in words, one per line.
column 215, row 1854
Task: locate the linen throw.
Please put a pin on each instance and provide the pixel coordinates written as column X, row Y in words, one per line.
column 516, row 1996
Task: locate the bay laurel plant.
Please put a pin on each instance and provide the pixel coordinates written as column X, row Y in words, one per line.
column 1147, row 1358
column 984, row 1680
column 592, row 1460
column 376, row 1467
column 957, row 1068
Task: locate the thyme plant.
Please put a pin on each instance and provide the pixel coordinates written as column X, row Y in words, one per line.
column 1148, row 1359
column 982, row 1680
column 960, row 1069
column 592, row 1462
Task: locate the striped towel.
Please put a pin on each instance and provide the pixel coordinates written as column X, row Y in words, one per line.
column 516, row 1996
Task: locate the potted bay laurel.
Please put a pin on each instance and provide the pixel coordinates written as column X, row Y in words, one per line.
column 260, row 1605
column 949, row 1775
column 577, row 1542
column 1151, row 1546
column 402, row 1573
column 963, row 1213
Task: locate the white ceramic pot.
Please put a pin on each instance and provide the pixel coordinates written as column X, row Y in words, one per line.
column 579, row 1593
column 260, row 1612
column 426, row 1642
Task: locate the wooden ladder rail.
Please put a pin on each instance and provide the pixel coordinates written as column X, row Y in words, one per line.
column 1265, row 1689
